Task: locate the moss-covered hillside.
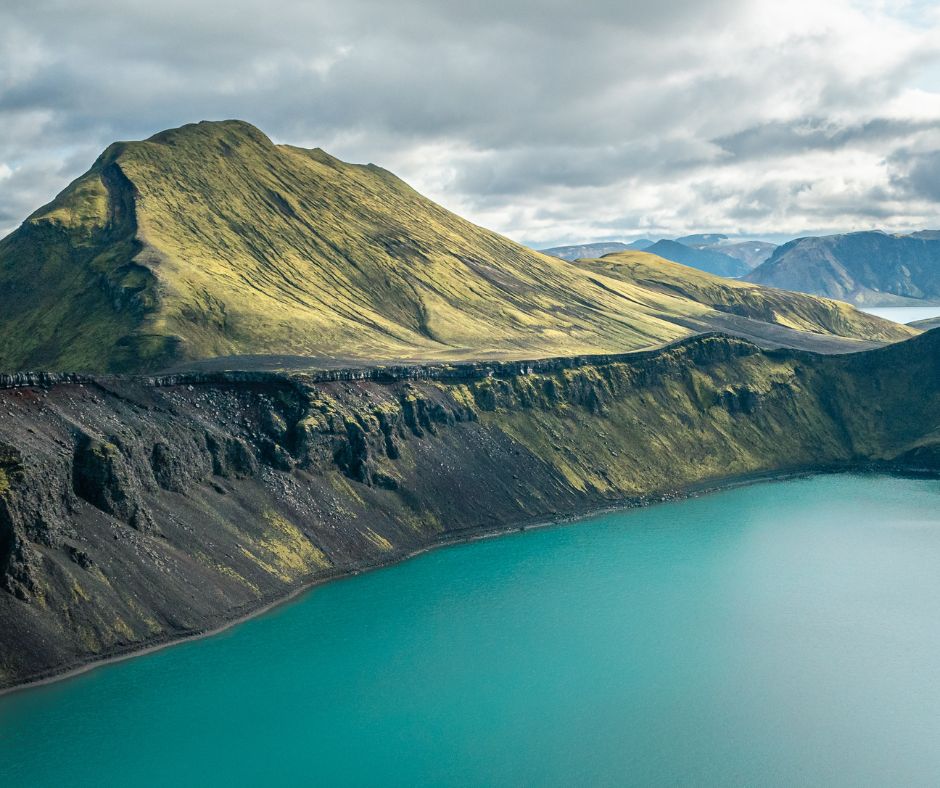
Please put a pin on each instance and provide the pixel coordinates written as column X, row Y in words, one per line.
column 743, row 308
column 209, row 240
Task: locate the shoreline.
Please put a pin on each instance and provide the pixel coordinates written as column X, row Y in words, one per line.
column 718, row 484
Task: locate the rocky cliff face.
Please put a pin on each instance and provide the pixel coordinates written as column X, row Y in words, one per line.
column 137, row 511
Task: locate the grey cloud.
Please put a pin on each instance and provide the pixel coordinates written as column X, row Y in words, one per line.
column 918, row 174
column 801, row 135
column 27, row 188
column 549, row 113
column 515, row 171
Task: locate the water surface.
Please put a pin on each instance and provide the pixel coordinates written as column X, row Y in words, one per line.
column 778, row 634
column 903, row 314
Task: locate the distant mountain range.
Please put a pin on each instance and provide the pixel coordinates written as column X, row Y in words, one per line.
column 705, row 258
column 751, row 253
column 864, row 268
column 711, row 252
column 869, row 268
column 593, row 251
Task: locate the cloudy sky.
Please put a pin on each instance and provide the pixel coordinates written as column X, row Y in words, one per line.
column 549, row 121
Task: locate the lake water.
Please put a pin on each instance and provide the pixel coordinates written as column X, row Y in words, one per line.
column 904, row 314
column 779, row 634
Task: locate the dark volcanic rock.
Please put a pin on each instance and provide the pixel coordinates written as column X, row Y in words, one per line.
column 136, row 511
column 102, row 478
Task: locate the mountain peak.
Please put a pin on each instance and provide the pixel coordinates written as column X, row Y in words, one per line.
column 209, row 241
column 209, row 130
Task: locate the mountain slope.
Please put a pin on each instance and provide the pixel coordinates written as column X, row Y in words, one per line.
column 701, row 240
column 764, row 315
column 751, row 253
column 926, row 325
column 865, row 268
column 210, row 241
column 705, row 259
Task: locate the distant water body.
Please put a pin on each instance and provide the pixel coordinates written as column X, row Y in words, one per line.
column 904, row 314
column 779, row 634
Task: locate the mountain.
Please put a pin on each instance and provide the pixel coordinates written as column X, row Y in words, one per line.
column 211, row 242
column 928, row 324
column 595, row 250
column 705, row 259
column 585, row 250
column 766, row 316
column 751, row 253
column 700, row 240
column 864, row 268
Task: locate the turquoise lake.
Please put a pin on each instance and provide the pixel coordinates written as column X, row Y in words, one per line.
column 778, row 634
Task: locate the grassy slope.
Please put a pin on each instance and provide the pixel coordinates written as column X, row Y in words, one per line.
column 209, row 240
column 778, row 307
column 55, row 303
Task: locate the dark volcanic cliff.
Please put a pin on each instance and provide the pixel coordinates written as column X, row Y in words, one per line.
column 134, row 512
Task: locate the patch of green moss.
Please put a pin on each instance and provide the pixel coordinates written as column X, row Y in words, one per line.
column 378, row 540
column 284, row 551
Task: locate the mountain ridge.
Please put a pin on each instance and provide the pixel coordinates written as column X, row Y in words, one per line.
column 705, row 258
column 870, row 267
column 750, row 253
column 597, row 249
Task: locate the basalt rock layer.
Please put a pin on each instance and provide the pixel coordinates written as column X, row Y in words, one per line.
column 136, row 511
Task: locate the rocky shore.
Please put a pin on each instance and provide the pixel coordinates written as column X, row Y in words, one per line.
column 136, row 511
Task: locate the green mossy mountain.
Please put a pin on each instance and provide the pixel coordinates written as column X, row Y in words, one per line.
column 210, row 241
